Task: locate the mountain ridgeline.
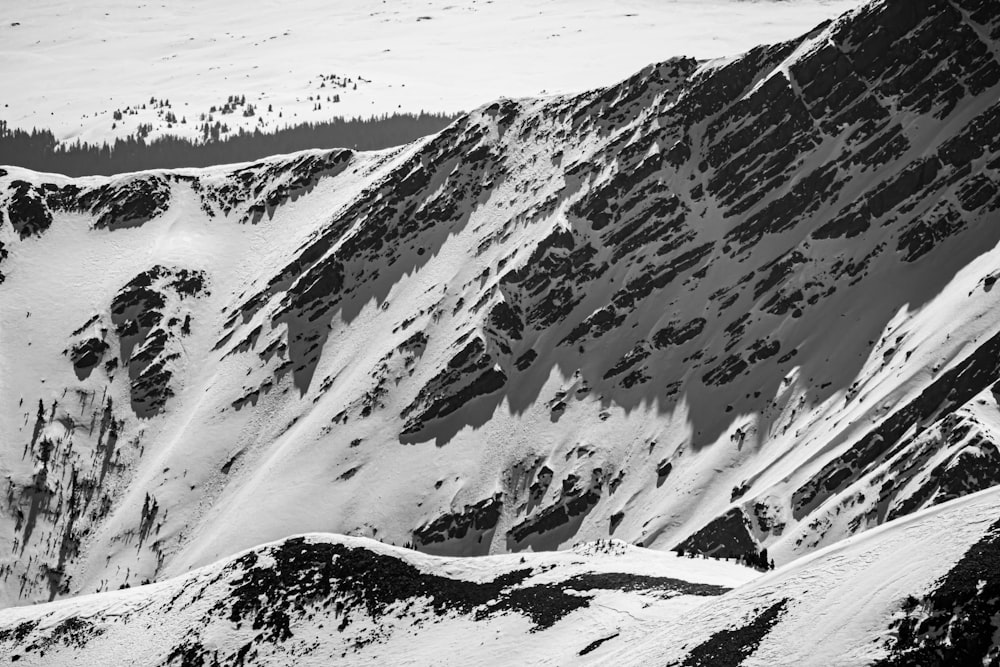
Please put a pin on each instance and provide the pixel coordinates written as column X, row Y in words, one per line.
column 720, row 307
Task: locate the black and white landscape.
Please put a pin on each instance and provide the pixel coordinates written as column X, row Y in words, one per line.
column 700, row 367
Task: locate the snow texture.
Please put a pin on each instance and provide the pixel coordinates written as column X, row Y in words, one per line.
column 716, row 307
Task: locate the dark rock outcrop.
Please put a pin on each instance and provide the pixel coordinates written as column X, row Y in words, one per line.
column 473, row 521
column 147, row 335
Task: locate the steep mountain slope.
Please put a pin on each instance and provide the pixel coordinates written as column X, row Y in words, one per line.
column 322, row 599
column 721, row 305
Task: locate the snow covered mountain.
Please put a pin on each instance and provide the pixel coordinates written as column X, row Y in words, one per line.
column 721, row 306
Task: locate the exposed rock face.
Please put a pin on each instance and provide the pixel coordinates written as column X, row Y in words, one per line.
column 732, row 647
column 700, row 307
column 126, row 202
column 26, row 210
column 121, row 204
column 575, row 500
column 473, row 521
column 936, row 408
column 728, row 536
column 963, row 605
column 87, row 354
column 257, row 190
column 146, row 316
column 472, row 372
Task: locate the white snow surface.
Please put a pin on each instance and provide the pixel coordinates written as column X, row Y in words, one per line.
column 68, row 66
column 246, row 452
column 840, row 602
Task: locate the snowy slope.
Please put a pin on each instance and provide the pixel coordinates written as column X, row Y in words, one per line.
column 322, row 599
column 844, row 605
column 719, row 306
column 286, row 58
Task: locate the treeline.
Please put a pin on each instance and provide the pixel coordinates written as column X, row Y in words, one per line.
column 753, row 558
column 39, row 149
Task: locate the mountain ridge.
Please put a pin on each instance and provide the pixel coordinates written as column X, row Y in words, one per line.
column 391, row 603
column 701, row 308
